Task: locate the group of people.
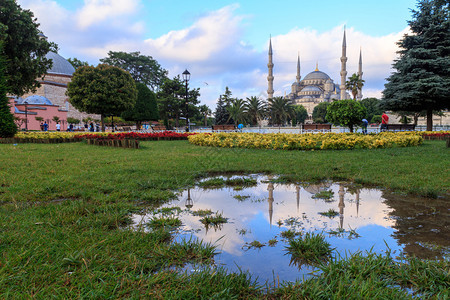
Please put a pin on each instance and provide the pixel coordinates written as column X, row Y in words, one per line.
column 44, row 126
column 384, row 122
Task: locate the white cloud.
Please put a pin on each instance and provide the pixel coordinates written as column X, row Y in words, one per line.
column 325, row 48
column 213, row 48
column 97, row 11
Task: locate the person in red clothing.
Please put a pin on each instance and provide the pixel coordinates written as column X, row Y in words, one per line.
column 384, row 121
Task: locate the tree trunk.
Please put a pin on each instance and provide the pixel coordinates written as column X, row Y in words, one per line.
column 429, row 120
column 351, row 128
column 416, row 118
column 206, row 120
column 102, row 120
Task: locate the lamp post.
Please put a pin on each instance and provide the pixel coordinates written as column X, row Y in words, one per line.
column 26, row 116
column 186, row 77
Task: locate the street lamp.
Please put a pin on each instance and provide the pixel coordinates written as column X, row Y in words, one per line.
column 26, row 116
column 186, row 77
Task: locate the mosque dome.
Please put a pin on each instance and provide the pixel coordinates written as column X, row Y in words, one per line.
column 60, row 65
column 311, row 88
column 316, row 75
column 36, row 99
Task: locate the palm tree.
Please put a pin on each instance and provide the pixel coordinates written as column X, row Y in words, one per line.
column 237, row 111
column 255, row 109
column 353, row 84
column 205, row 111
column 280, row 109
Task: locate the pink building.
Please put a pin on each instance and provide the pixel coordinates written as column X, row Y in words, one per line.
column 35, row 106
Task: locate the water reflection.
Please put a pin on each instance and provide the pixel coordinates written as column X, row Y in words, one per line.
column 261, row 213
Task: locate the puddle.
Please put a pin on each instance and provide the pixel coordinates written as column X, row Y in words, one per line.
column 350, row 217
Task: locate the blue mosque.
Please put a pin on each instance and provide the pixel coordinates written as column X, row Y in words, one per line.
column 316, row 86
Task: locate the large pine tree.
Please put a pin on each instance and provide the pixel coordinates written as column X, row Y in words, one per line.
column 422, row 77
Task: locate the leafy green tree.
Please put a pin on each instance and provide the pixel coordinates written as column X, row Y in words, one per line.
column 23, row 49
column 222, row 115
column 280, row 109
column 172, row 100
column 346, row 112
column 353, row 84
column 145, row 109
column 73, row 121
column 320, row 112
column 422, row 77
column 205, row 111
column 7, row 126
column 143, row 69
column 104, row 90
column 237, row 111
column 299, row 114
column 372, row 106
column 255, row 109
column 376, row 119
column 76, row 63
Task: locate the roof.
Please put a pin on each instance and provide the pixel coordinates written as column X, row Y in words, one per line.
column 311, row 88
column 35, row 99
column 316, row 75
column 60, row 64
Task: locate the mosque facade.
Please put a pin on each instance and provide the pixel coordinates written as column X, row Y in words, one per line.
column 316, row 87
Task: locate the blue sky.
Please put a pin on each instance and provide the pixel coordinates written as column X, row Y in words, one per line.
column 224, row 43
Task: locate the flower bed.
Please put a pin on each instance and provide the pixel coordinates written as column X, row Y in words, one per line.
column 309, row 141
column 435, row 135
column 165, row 135
column 64, row 137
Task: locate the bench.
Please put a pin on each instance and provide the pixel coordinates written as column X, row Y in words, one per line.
column 223, row 128
column 126, row 128
column 400, row 127
column 159, row 128
column 316, row 127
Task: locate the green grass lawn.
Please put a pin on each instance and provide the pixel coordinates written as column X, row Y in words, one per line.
column 64, row 207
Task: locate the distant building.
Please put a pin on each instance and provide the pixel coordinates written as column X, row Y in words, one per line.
column 317, row 86
column 50, row 98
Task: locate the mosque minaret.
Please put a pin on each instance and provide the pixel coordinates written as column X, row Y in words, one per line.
column 316, row 86
column 343, row 66
column 360, row 74
column 270, row 76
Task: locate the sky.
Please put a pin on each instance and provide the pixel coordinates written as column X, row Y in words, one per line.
column 225, row 43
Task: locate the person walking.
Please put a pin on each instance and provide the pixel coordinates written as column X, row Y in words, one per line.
column 364, row 126
column 45, row 126
column 58, row 127
column 384, row 121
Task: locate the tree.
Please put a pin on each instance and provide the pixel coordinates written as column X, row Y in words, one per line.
column 145, row 109
column 73, row 121
column 237, row 111
column 103, row 90
column 346, row 112
column 422, row 78
column 255, row 109
column 353, row 84
column 372, row 106
column 299, row 114
column 320, row 112
column 55, row 119
column 222, row 115
column 280, row 109
column 76, row 63
column 23, row 48
column 172, row 100
column 205, row 111
column 8, row 127
column 143, row 69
